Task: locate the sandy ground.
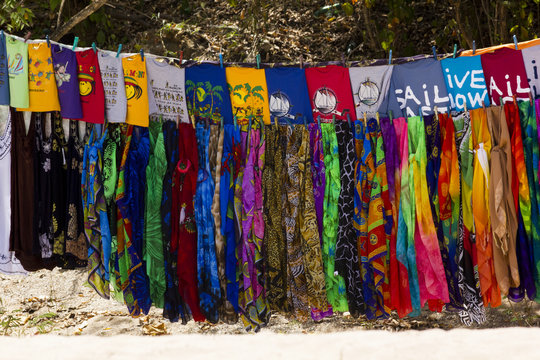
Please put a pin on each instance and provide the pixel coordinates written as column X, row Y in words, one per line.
column 53, row 303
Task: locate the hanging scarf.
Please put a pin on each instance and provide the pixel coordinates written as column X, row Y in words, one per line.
column 530, row 147
column 431, row 279
column 448, row 191
column 335, row 284
column 275, row 250
column 480, row 204
column 409, row 296
column 346, row 248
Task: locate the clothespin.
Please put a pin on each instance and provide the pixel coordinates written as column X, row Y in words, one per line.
column 391, row 115
column 119, row 50
column 377, row 116
column 455, row 50
column 349, row 120
column 221, row 60
column 142, row 54
column 181, row 57
column 94, row 47
column 235, row 122
column 75, row 42
column 27, row 36
column 434, row 52
column 390, row 57
column 334, row 119
column 474, row 47
column 420, row 111
column 258, row 58
column 301, row 61
column 515, row 42
column 221, row 122
column 48, row 41
column 249, row 117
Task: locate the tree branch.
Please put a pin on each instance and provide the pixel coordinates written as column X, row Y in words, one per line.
column 60, row 13
column 77, row 18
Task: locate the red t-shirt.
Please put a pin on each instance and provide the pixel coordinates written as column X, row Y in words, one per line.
column 330, row 92
column 505, row 75
column 90, row 87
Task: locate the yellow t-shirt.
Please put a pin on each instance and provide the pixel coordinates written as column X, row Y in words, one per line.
column 248, row 93
column 41, row 81
column 136, row 84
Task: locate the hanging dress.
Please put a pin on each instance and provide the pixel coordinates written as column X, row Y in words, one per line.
column 153, row 239
column 449, row 199
column 431, row 279
column 522, row 203
column 184, row 228
column 347, row 264
column 96, row 225
column 481, row 144
column 9, row 264
column 275, row 250
column 207, row 268
column 76, row 249
column 240, row 148
column 501, row 202
column 468, row 277
column 335, row 284
column 405, row 251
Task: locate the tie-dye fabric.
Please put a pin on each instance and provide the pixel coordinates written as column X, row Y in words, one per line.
column 335, row 284
column 481, row 144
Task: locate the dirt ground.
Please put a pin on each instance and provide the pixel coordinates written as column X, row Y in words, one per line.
column 57, row 302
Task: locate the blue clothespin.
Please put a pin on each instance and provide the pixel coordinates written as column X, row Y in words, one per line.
column 434, row 52
column 258, row 61
column 221, row 60
column 235, row 123
column 349, row 120
column 119, row 50
column 420, row 112
column 94, row 47
column 474, row 47
column 249, row 117
column 390, row 57
column 75, row 42
column 142, row 54
column 515, row 42
column 48, row 41
column 455, row 50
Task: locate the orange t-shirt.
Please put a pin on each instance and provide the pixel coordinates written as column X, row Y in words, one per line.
column 41, row 81
column 136, row 84
column 249, row 95
column 521, row 45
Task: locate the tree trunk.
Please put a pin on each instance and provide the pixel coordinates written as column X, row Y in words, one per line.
column 77, row 18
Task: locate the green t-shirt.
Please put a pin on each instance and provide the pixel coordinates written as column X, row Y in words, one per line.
column 17, row 52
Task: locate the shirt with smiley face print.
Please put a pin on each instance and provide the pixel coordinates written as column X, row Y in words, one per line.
column 90, row 87
column 136, row 83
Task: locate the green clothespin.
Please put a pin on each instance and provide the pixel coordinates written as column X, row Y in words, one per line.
column 391, row 114
column 94, row 47
column 455, row 50
column 258, row 61
column 75, row 42
column 334, row 119
column 119, row 50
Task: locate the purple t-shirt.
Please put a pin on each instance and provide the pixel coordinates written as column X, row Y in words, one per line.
column 65, row 72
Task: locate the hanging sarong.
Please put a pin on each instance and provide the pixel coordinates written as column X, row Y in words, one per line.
column 481, row 143
column 347, row 264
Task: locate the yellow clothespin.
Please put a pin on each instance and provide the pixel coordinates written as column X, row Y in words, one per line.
column 377, row 116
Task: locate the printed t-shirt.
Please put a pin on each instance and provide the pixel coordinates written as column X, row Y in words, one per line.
column 65, row 73
column 17, row 53
column 214, row 103
column 465, row 82
column 531, row 60
column 4, row 77
column 136, row 85
column 112, row 76
column 505, row 75
column 43, row 95
column 417, row 86
column 330, row 92
column 166, row 96
column 249, row 95
column 288, row 95
column 91, row 87
column 370, row 86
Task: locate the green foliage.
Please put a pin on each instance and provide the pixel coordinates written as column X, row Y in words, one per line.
column 14, row 16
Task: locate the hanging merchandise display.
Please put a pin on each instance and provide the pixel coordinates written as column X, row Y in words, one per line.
column 233, row 193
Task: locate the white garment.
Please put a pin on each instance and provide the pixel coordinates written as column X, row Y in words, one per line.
column 370, row 86
column 9, row 264
column 531, row 59
column 166, row 90
column 112, row 76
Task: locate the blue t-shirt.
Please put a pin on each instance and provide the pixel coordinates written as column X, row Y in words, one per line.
column 288, row 95
column 4, row 76
column 417, row 85
column 465, row 82
column 206, row 92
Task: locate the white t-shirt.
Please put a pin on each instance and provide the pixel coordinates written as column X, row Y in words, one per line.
column 166, row 95
column 370, row 86
column 9, row 264
column 531, row 59
column 112, row 76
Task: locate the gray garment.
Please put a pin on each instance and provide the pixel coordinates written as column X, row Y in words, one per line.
column 531, row 58
column 370, row 86
column 112, row 76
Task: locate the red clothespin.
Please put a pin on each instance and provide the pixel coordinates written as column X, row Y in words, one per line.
column 27, row 36
column 181, row 57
